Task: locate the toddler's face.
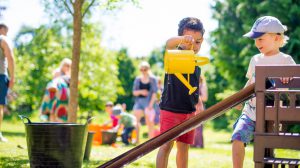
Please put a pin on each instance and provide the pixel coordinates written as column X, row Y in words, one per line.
column 268, row 44
column 198, row 39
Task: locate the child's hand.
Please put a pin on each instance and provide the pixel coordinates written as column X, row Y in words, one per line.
column 199, row 107
column 285, row 80
column 186, row 42
column 187, row 39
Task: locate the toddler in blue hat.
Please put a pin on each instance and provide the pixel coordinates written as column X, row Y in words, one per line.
column 268, row 35
column 127, row 122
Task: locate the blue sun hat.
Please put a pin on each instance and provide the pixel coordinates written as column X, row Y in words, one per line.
column 265, row 24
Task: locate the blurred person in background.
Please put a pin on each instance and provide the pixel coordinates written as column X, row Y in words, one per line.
column 144, row 91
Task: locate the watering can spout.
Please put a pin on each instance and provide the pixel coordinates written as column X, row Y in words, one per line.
column 186, row 83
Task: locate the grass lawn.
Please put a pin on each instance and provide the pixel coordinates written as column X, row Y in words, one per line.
column 216, row 154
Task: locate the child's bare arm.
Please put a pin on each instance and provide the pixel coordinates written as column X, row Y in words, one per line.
column 199, row 106
column 240, row 106
column 173, row 42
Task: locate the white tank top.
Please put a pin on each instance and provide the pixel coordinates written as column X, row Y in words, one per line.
column 3, row 61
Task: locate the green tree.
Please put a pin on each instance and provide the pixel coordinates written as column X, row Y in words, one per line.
column 38, row 52
column 78, row 9
column 156, row 60
column 98, row 79
column 126, row 76
column 232, row 53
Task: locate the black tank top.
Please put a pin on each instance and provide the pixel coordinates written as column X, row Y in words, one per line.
column 144, row 86
column 175, row 96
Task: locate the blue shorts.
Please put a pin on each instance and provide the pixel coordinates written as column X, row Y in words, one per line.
column 243, row 129
column 141, row 103
column 3, row 89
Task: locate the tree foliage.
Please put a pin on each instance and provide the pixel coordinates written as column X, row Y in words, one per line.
column 156, row 60
column 39, row 51
column 98, row 78
column 78, row 10
column 126, row 76
column 232, row 53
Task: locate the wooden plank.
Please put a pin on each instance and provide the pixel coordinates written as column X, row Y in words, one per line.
column 180, row 129
column 279, row 141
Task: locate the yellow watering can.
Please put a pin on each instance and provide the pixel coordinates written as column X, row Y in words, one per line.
column 180, row 62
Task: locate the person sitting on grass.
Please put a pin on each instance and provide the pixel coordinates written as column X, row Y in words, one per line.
column 113, row 122
column 126, row 121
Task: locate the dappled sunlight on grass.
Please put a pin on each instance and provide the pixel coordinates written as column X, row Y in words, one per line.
column 283, row 153
column 217, row 151
column 16, row 161
column 216, row 154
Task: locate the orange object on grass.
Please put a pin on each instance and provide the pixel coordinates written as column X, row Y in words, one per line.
column 97, row 140
column 133, row 136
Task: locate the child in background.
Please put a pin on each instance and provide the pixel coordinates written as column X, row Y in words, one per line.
column 268, row 34
column 113, row 122
column 56, row 99
column 176, row 104
column 126, row 121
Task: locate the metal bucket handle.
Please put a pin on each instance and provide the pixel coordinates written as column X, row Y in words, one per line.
column 24, row 117
column 88, row 120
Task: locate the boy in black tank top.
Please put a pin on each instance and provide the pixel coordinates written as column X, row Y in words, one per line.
column 176, row 104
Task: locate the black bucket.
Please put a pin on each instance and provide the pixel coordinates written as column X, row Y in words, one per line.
column 109, row 137
column 89, row 144
column 55, row 144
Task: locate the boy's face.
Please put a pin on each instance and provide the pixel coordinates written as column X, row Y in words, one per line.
column 267, row 44
column 198, row 39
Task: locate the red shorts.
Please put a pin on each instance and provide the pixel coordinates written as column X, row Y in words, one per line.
column 169, row 120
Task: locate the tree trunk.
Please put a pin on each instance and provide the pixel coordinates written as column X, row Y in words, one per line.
column 77, row 22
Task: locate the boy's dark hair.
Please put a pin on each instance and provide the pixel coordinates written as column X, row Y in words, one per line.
column 2, row 25
column 190, row 23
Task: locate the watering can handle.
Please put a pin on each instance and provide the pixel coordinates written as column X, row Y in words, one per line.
column 24, row 117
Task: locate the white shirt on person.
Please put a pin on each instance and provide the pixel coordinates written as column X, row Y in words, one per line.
column 261, row 59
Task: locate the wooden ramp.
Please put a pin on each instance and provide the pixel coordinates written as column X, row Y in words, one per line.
column 212, row 112
column 284, row 108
